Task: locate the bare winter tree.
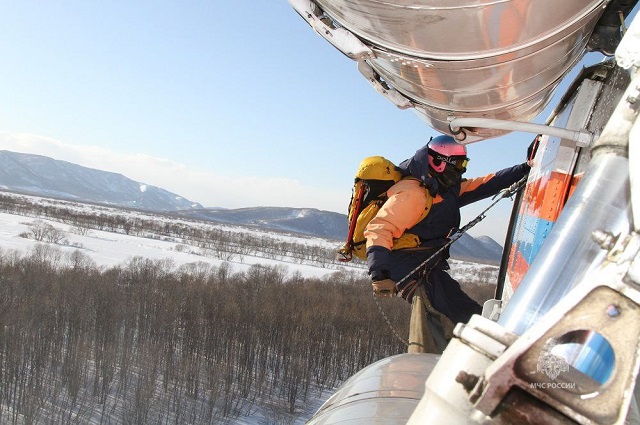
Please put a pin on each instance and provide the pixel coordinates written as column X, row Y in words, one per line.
column 39, row 230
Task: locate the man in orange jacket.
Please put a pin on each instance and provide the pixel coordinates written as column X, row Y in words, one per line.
column 437, row 167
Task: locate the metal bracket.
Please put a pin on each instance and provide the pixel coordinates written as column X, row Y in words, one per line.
column 382, row 87
column 605, row 306
column 340, row 38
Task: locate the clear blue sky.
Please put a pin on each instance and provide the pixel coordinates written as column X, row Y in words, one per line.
column 227, row 103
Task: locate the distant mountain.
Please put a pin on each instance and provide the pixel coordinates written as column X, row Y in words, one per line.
column 43, row 176
column 308, row 221
column 482, row 249
column 47, row 177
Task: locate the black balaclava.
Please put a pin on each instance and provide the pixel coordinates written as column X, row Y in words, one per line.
column 450, row 177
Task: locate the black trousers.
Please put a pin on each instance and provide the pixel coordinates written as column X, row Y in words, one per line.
column 448, row 298
column 444, row 292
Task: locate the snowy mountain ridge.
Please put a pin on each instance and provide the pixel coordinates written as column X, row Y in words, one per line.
column 43, row 176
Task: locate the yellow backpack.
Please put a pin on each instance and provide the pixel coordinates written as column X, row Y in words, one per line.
column 375, row 176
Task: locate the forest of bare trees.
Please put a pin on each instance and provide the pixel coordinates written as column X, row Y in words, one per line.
column 142, row 344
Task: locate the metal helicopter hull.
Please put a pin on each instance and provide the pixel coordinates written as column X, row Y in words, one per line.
column 385, row 392
column 463, row 58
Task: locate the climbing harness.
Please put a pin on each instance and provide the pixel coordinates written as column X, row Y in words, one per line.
column 456, row 234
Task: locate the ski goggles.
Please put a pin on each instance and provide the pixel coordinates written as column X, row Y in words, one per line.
column 458, row 162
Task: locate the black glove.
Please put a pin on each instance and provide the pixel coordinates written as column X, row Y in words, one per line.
column 532, row 149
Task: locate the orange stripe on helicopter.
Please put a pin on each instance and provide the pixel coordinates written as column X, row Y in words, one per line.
column 545, row 197
column 542, row 204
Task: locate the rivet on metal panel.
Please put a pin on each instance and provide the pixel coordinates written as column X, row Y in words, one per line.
column 613, row 311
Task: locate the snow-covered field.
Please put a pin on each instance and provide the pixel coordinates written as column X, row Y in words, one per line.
column 111, row 249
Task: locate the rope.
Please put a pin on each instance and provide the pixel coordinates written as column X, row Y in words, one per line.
column 386, row 319
column 505, row 193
